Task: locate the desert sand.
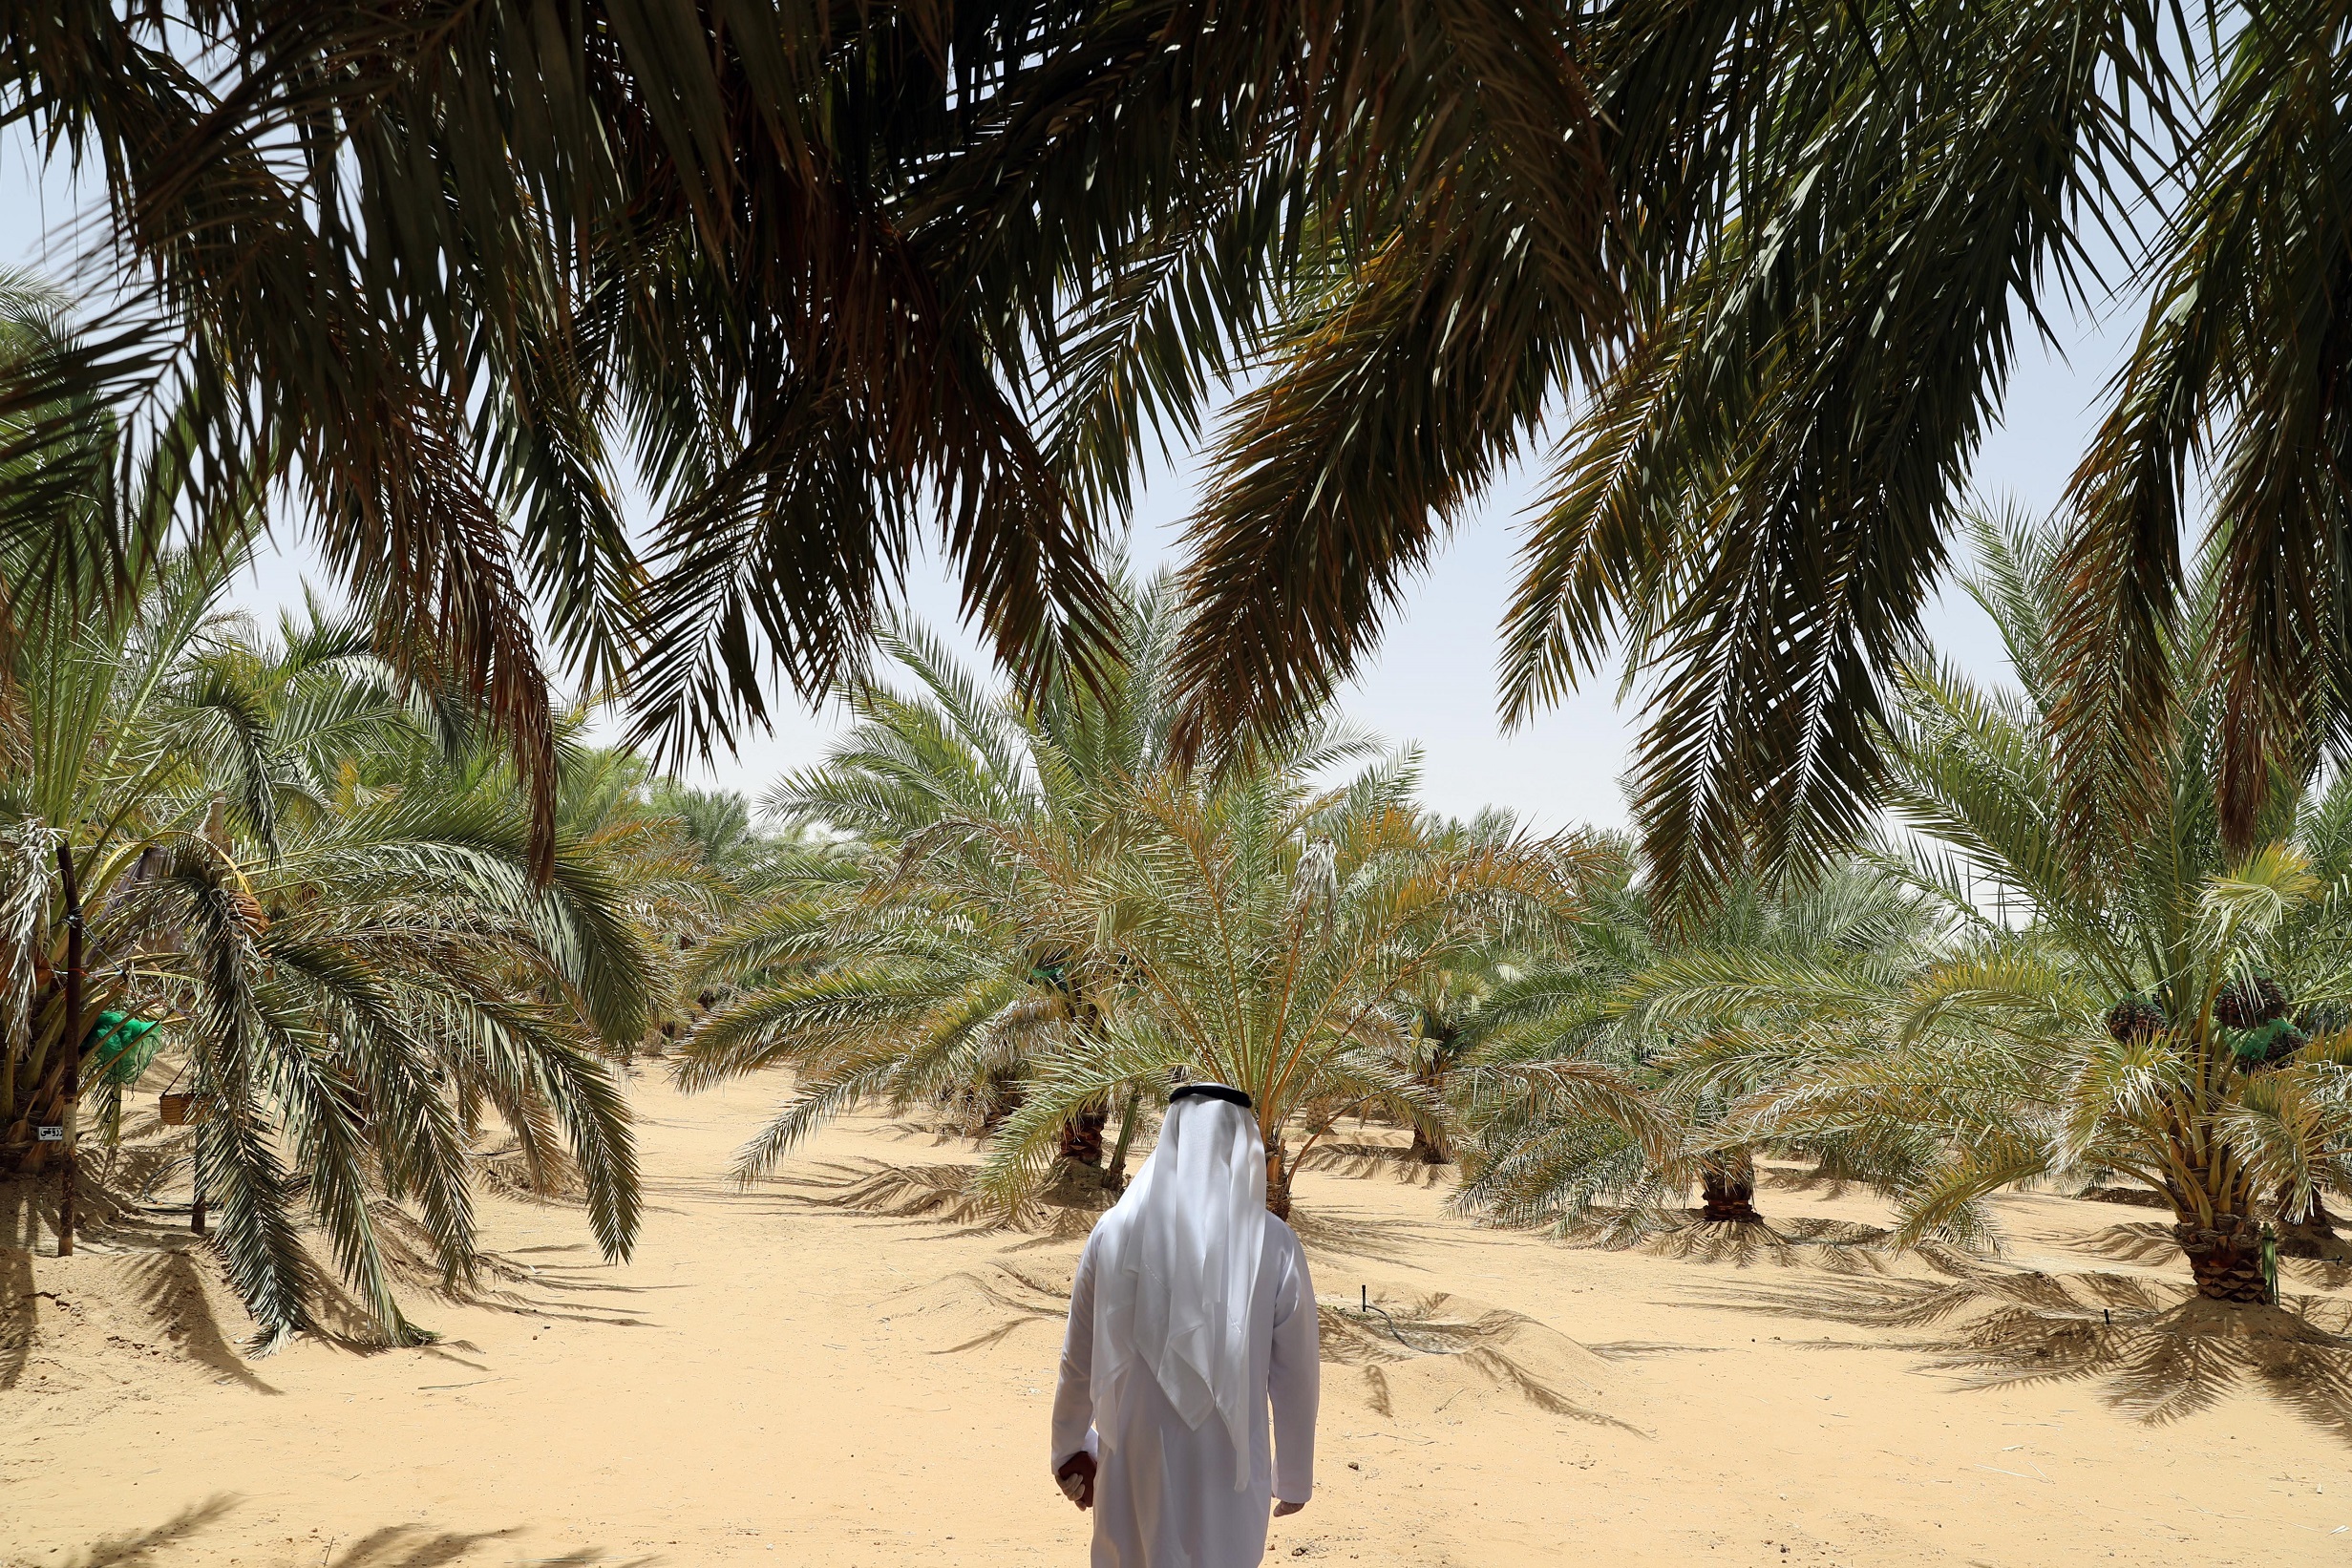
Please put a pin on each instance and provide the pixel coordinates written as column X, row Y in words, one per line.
column 828, row 1369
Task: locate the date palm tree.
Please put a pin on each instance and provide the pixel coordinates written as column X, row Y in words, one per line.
column 2169, row 1014
column 1691, row 1023
column 1500, row 997
column 1264, row 929
column 1445, row 1019
column 905, row 962
column 352, row 973
column 1016, row 933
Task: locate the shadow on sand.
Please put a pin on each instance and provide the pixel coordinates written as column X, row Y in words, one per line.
column 19, row 1314
column 139, row 1260
column 2154, row 1351
column 1014, row 1298
column 394, row 1546
column 139, row 1546
column 1389, row 1239
column 164, row 1265
column 172, row 1291
column 1505, row 1351
column 936, row 1194
column 1839, row 1247
column 1359, row 1161
column 2150, row 1244
column 1483, row 1347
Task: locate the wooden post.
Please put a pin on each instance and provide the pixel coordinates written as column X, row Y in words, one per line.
column 72, row 1049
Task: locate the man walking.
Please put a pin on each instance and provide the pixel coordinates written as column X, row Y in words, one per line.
column 1191, row 1318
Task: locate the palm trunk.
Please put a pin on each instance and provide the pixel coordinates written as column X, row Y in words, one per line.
column 1082, row 1135
column 1114, row 1174
column 1728, row 1189
column 2226, row 1259
column 1278, row 1178
column 41, row 1082
column 1427, row 1150
column 999, row 1098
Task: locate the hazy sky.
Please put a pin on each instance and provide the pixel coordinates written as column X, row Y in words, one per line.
column 1433, row 680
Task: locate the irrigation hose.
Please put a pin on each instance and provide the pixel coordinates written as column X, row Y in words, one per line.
column 1367, row 1310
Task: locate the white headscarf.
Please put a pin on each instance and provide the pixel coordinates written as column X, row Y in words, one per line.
column 1179, row 1263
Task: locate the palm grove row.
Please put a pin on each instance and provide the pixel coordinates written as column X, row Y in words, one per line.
column 436, row 287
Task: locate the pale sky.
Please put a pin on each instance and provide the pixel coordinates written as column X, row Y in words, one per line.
column 1433, row 680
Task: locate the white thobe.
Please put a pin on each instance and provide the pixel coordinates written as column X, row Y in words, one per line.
column 1164, row 1495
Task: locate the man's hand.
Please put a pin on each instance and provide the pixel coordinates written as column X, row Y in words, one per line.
column 1284, row 1510
column 1081, row 1464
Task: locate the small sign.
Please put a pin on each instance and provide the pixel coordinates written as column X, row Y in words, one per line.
column 52, row 1135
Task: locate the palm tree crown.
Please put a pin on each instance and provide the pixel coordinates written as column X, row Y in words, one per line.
column 2169, row 1013
column 283, row 854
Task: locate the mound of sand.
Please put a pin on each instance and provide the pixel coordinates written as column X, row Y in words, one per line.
column 1414, row 1353
column 121, row 1323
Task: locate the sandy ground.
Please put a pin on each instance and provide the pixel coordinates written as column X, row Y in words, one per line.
column 811, row 1373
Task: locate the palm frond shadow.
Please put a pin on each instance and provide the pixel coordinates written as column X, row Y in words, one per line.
column 1024, row 1299
column 166, row 1266
column 1402, row 1331
column 166, row 1280
column 1813, row 1180
column 408, row 1253
column 507, row 1172
column 1350, row 1233
column 2144, row 1243
column 939, row 1133
column 1359, row 1161
column 2159, row 1352
column 1638, row 1349
column 944, row 1193
column 29, row 1213
column 415, row 1546
column 412, row 1546
column 139, row 1546
column 1830, row 1246
column 1507, row 1372
column 140, row 1168
column 1834, row 1246
column 2150, row 1244
column 394, row 1546
column 172, row 1291
column 2320, row 1274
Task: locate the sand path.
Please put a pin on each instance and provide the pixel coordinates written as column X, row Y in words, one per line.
column 787, row 1375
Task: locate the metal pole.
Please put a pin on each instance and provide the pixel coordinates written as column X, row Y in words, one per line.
column 73, row 1047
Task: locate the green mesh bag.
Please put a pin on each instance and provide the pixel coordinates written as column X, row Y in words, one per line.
column 124, row 1045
